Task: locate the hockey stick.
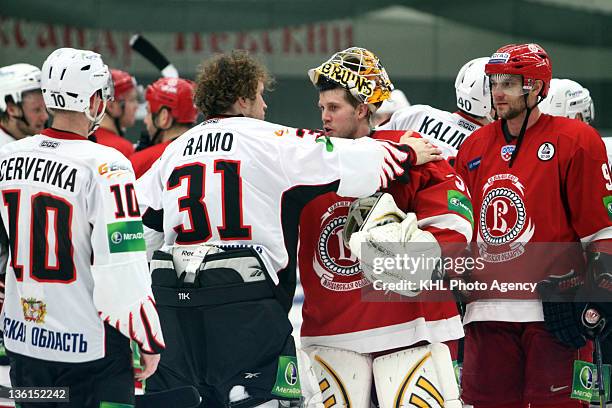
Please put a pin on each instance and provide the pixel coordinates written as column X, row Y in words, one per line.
column 180, row 397
column 149, row 52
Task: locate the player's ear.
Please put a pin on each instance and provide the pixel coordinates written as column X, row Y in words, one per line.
column 13, row 109
column 362, row 111
column 537, row 87
column 165, row 118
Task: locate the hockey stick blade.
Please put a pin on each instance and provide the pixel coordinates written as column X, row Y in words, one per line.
column 144, row 47
column 180, row 397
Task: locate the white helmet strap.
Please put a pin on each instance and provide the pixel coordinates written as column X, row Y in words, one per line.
column 97, row 119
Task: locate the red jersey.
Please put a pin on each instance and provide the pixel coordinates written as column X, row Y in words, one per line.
column 558, row 190
column 333, row 312
column 144, row 159
column 108, row 138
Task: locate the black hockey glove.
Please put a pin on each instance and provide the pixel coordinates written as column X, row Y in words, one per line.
column 575, row 312
column 561, row 309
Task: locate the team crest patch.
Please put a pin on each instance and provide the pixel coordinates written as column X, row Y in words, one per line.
column 34, row 310
column 504, row 225
column 546, row 151
column 506, row 152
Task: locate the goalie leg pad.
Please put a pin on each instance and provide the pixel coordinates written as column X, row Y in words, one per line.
column 344, row 377
column 420, row 376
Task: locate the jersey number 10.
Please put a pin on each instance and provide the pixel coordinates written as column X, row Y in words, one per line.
column 42, row 267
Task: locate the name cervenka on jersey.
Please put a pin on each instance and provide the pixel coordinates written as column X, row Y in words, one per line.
column 38, row 169
column 44, row 338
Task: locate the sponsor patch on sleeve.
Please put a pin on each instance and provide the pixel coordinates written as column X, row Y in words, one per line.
column 113, row 169
column 460, row 204
column 126, row 236
column 287, row 379
column 608, row 204
column 474, row 163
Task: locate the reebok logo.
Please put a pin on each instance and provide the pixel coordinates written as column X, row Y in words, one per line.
column 248, row 376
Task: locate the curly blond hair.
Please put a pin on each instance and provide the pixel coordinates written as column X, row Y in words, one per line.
column 224, row 78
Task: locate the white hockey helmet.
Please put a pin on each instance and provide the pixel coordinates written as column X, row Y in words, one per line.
column 568, row 98
column 15, row 80
column 70, row 77
column 472, row 88
column 397, row 101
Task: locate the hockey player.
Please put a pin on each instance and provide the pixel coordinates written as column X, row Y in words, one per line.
column 534, row 179
column 120, row 113
column 351, row 342
column 170, row 113
column 78, row 286
column 237, row 184
column 449, row 130
column 22, row 108
column 570, row 99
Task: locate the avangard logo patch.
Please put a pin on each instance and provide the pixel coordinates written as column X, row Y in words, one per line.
column 126, row 236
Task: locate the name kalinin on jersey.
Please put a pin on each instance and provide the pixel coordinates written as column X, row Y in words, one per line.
column 209, row 143
column 441, row 131
column 38, row 169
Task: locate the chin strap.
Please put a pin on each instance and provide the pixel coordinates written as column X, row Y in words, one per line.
column 95, row 121
column 521, row 135
column 22, row 117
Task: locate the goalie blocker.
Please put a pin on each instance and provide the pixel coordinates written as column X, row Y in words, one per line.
column 226, row 331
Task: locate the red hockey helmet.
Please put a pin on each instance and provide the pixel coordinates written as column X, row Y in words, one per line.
column 176, row 94
column 123, row 82
column 528, row 60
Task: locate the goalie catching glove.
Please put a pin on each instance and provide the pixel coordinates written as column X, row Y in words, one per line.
column 125, row 301
column 390, row 246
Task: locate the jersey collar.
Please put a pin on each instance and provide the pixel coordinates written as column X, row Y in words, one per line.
column 468, row 118
column 224, row 116
column 62, row 134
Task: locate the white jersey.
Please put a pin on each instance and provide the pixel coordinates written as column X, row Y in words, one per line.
column 69, row 207
column 445, row 130
column 608, row 143
column 5, row 137
column 242, row 182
